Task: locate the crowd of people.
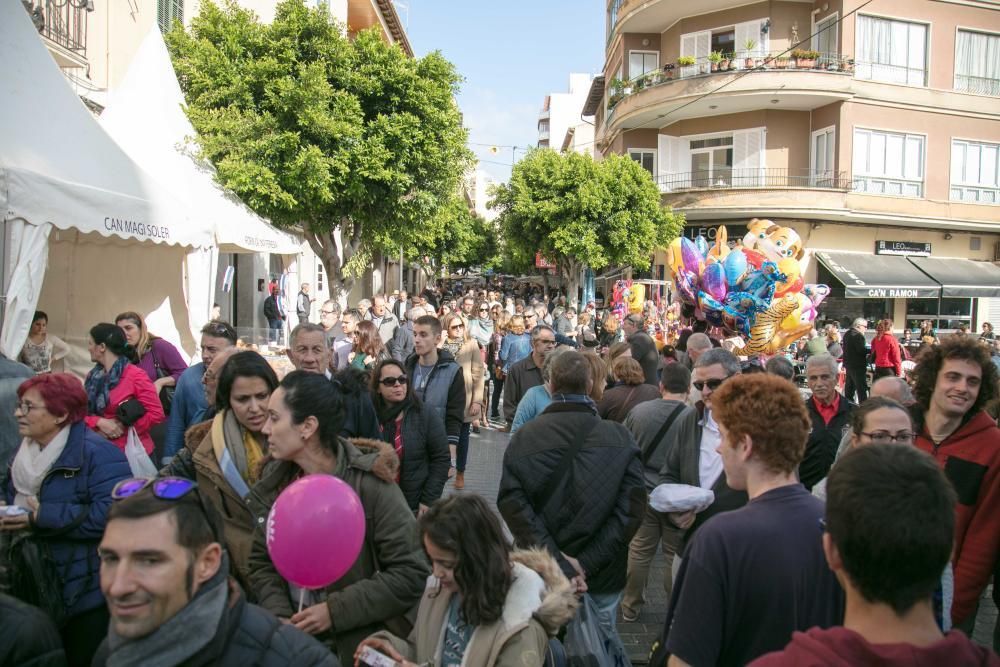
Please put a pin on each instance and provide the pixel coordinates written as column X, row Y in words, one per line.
column 835, row 505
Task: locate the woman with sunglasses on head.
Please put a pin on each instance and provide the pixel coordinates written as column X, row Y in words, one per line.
column 368, row 347
column 466, row 352
column 117, row 389
column 305, row 414
column 224, row 455
column 485, row 605
column 61, row 477
column 417, row 436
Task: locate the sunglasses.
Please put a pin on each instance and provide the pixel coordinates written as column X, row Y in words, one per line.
column 456, row 327
column 711, row 384
column 393, row 381
column 164, row 488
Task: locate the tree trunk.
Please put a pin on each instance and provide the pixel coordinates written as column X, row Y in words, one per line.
column 572, row 275
column 324, row 244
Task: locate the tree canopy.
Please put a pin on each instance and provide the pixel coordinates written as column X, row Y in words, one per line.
column 578, row 212
column 463, row 240
column 350, row 139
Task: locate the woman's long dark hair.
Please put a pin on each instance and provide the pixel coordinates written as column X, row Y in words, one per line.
column 312, row 395
column 377, row 399
column 112, row 337
column 466, row 526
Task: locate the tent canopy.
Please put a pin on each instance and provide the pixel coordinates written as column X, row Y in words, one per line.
column 67, row 171
column 145, row 116
column 961, row 277
column 886, row 277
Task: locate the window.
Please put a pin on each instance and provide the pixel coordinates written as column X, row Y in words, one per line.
column 823, row 154
column 825, row 40
column 616, row 5
column 954, row 311
column 724, row 41
column 891, row 51
column 974, row 171
column 168, row 11
column 543, row 126
column 888, row 163
column 320, row 285
column 712, row 162
column 642, row 62
column 646, row 157
column 977, row 63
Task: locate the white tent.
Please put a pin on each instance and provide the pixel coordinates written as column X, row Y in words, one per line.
column 145, row 116
column 87, row 232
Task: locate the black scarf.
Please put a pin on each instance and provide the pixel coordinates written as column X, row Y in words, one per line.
column 387, row 414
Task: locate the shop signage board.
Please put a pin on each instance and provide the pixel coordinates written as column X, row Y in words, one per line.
column 905, row 248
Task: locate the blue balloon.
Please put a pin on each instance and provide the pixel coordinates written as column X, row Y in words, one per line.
column 702, row 245
column 735, row 266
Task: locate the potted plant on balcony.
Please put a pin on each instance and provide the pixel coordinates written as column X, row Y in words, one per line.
column 805, row 59
column 616, row 92
column 715, row 57
column 780, row 62
column 667, row 73
column 749, row 46
column 685, row 61
column 848, row 64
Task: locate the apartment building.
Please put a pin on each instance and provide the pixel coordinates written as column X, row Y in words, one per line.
column 872, row 128
column 560, row 114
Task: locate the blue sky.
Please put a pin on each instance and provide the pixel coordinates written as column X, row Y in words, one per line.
column 512, row 54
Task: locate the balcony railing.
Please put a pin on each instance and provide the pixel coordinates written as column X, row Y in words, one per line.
column 758, row 179
column 64, row 23
column 978, row 85
column 740, row 62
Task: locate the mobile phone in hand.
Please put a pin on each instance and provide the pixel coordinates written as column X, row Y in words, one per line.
column 373, row 658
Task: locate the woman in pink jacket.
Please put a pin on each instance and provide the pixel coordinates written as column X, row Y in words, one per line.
column 114, row 381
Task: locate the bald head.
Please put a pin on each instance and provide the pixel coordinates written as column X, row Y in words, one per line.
column 894, row 388
column 210, row 380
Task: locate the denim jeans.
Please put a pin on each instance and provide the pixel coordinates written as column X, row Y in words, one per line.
column 462, row 452
column 607, row 609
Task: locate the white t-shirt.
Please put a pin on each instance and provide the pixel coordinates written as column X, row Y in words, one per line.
column 709, row 460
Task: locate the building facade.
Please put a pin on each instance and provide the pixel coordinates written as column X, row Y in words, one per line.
column 870, row 128
column 560, row 113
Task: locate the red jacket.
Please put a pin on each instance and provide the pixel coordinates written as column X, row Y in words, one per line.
column 840, row 647
column 970, row 458
column 887, row 354
column 134, row 383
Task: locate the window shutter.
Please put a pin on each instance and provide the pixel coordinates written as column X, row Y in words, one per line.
column 672, row 161
column 698, row 45
column 748, row 157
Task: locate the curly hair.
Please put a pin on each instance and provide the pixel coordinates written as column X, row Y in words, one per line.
column 465, row 525
column 771, row 411
column 965, row 348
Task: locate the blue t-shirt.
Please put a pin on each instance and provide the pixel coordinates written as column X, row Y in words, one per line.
column 750, row 578
column 456, row 635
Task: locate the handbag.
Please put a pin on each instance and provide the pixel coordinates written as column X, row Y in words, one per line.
column 167, row 393
column 130, row 411
column 34, row 575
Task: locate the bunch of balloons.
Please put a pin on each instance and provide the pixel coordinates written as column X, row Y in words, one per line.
column 754, row 289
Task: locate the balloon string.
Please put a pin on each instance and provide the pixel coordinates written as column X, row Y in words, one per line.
column 302, row 598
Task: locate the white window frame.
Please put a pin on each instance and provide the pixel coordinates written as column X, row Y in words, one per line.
column 643, row 152
column 860, row 67
column 996, row 84
column 879, row 184
column 814, row 45
column 814, row 170
column 644, row 52
column 969, row 192
column 710, row 150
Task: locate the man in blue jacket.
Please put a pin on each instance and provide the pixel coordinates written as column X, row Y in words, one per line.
column 189, row 405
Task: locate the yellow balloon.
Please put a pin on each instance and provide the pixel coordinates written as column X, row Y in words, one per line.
column 674, row 256
column 764, row 338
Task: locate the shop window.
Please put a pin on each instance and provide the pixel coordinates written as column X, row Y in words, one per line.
column 954, row 311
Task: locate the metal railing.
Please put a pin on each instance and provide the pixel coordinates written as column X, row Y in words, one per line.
column 741, row 61
column 60, row 22
column 885, row 73
column 724, row 179
column 978, row 85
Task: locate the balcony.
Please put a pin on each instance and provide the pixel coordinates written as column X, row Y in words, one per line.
column 977, row 85
column 749, row 83
column 755, row 179
column 658, row 15
column 543, row 135
column 64, row 27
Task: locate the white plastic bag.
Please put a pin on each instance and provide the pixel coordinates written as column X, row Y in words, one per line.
column 138, row 459
column 680, row 498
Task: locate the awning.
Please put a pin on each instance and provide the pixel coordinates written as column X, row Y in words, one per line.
column 961, row 277
column 867, row 276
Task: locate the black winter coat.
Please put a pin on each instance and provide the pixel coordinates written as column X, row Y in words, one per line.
column 27, row 636
column 248, row 635
column 824, row 440
column 597, row 507
column 855, row 350
column 424, row 468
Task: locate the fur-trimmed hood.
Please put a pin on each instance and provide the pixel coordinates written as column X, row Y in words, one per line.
column 196, row 433
column 374, row 456
column 540, row 589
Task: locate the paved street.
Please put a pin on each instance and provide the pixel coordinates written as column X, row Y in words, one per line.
column 483, row 477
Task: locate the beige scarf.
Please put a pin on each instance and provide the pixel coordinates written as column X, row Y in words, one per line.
column 33, row 463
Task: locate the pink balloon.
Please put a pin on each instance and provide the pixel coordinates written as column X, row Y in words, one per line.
column 315, row 531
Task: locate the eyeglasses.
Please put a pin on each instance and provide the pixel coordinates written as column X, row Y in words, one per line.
column 24, row 407
column 456, row 327
column 884, row 437
column 393, row 381
column 712, row 384
column 164, row 488
column 484, row 310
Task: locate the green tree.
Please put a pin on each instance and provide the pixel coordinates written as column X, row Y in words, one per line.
column 578, row 212
column 461, row 240
column 348, row 139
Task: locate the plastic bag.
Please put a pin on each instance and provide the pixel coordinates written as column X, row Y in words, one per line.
column 138, row 459
column 680, row 498
column 586, row 642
